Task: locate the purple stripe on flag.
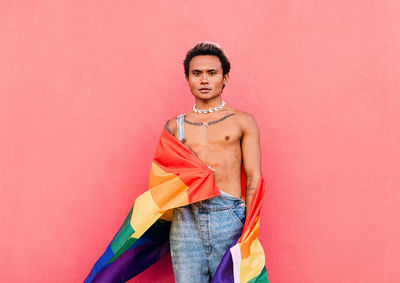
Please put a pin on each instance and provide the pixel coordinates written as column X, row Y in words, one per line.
column 133, row 261
column 224, row 271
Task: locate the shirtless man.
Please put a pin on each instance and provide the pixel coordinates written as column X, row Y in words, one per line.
column 223, row 139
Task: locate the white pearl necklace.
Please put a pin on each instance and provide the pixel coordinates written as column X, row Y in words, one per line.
column 209, row 110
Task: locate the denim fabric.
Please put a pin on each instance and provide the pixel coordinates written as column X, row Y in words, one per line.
column 200, row 235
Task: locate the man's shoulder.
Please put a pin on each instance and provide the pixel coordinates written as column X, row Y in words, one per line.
column 245, row 119
column 243, row 116
column 170, row 125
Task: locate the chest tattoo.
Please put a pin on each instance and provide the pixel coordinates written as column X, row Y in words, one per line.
column 210, row 122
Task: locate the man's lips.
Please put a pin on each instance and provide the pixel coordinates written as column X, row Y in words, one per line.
column 204, row 88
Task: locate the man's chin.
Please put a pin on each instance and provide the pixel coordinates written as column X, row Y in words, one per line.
column 206, row 96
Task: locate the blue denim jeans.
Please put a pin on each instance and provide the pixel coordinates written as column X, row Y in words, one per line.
column 200, row 235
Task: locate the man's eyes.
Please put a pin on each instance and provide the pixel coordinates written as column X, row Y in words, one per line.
column 198, row 73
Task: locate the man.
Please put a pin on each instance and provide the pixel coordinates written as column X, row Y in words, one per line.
column 223, row 138
column 193, row 205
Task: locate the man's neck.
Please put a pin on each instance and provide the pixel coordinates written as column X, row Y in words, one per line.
column 203, row 104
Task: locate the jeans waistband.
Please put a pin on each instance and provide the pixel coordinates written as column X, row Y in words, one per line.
column 225, row 194
column 221, row 202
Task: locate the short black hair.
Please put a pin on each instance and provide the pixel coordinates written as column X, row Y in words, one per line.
column 207, row 48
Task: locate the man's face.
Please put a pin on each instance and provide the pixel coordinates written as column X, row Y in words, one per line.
column 206, row 77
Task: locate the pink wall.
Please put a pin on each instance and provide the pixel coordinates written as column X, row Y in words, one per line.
column 86, row 87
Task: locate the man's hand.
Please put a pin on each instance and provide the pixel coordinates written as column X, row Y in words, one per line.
column 251, row 153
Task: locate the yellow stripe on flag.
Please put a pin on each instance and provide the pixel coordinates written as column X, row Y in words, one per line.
column 145, row 213
column 251, row 266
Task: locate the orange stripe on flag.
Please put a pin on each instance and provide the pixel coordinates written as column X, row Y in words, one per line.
column 167, row 190
column 249, row 238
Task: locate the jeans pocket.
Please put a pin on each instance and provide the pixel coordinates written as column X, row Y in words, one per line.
column 238, row 213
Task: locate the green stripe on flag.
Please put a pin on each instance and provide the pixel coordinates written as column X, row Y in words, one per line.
column 260, row 278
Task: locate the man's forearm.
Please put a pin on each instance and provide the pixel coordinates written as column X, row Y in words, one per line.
column 251, row 184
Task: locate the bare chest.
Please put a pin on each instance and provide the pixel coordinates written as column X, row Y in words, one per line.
column 218, row 138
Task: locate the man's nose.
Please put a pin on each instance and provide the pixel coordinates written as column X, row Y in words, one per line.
column 204, row 78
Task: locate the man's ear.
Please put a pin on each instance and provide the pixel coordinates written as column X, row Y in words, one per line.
column 226, row 78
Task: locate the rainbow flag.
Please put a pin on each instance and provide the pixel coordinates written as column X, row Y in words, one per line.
column 177, row 178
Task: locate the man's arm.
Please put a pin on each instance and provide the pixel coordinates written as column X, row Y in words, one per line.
column 170, row 126
column 251, row 153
